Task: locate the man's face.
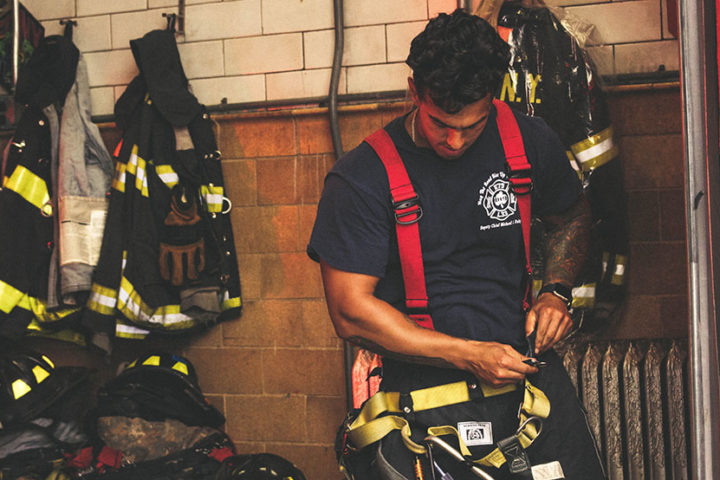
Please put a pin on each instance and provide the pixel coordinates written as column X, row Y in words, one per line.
column 449, row 134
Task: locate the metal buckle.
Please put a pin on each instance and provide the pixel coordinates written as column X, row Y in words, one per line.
column 407, row 204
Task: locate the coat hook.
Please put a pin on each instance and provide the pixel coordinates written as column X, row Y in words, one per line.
column 171, row 17
column 69, row 24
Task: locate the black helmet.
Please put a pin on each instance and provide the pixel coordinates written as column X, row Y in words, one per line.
column 258, row 466
column 155, row 387
column 30, row 383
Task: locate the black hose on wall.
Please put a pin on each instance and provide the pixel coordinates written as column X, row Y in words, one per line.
column 338, row 148
column 335, row 77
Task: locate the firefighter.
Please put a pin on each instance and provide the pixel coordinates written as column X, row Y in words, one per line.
column 473, row 348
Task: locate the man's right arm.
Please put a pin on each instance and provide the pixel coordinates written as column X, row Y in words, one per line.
column 363, row 319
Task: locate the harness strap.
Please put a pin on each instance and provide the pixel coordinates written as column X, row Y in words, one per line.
column 519, row 173
column 372, row 423
column 407, row 213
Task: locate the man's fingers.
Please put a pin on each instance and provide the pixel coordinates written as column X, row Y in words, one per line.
column 530, row 322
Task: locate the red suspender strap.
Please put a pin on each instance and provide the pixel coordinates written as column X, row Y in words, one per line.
column 407, row 213
column 519, row 173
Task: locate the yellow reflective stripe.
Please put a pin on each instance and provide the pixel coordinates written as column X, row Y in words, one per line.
column 43, row 315
column 118, row 182
column 230, row 303
column 20, row 388
column 181, row 367
column 213, row 197
column 152, row 360
column 136, row 165
column 120, row 332
column 168, row 175
column 618, row 277
column 40, row 373
column 131, row 304
column 584, row 295
column 536, row 286
column 31, row 187
column 102, row 300
column 9, row 297
column 595, row 150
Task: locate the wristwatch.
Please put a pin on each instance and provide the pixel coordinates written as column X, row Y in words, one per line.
column 563, row 292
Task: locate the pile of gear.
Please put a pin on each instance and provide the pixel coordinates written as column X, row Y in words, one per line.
column 42, row 412
column 151, row 422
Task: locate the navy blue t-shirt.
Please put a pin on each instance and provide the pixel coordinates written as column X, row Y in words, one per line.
column 470, row 231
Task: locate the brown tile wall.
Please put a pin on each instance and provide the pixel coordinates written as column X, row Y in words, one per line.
column 277, row 372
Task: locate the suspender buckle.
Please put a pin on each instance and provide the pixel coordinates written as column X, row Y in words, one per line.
column 520, row 180
column 408, row 208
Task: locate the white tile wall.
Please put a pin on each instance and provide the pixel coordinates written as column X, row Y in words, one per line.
column 93, row 33
column 211, row 91
column 319, row 47
column 647, row 57
column 255, row 50
column 603, row 59
column 302, row 84
column 202, row 59
column 623, row 22
column 297, row 15
column 220, row 20
column 95, row 7
column 363, row 46
column 399, row 36
column 441, row 6
column 116, row 67
column 103, row 100
column 130, row 26
column 47, row 9
column 377, row 78
column 174, row 3
column 372, row 12
column 266, row 53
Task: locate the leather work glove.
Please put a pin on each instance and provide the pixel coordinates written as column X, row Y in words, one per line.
column 182, row 248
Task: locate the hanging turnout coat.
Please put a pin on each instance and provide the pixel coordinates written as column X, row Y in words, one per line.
column 159, row 271
column 56, row 173
column 552, row 77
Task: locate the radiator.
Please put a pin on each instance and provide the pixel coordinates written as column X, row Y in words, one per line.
column 635, row 394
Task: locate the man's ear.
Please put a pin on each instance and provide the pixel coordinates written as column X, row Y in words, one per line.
column 413, row 91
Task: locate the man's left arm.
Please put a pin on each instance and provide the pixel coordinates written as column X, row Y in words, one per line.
column 567, row 242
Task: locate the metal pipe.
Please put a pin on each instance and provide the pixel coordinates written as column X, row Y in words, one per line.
column 465, row 5
column 698, row 50
column 16, row 40
column 338, row 148
column 335, row 76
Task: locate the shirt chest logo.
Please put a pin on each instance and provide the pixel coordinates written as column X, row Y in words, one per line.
column 496, row 198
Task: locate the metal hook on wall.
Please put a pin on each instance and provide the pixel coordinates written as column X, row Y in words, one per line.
column 69, row 24
column 179, row 18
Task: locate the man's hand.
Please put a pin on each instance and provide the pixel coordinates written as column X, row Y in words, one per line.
column 495, row 363
column 550, row 317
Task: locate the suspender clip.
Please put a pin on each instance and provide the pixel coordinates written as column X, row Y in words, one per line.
column 408, row 208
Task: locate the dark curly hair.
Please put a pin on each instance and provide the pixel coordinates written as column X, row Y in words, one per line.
column 458, row 59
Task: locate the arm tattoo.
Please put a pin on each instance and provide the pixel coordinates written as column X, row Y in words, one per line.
column 567, row 243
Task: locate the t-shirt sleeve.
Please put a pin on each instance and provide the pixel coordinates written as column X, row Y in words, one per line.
column 556, row 185
column 352, row 230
